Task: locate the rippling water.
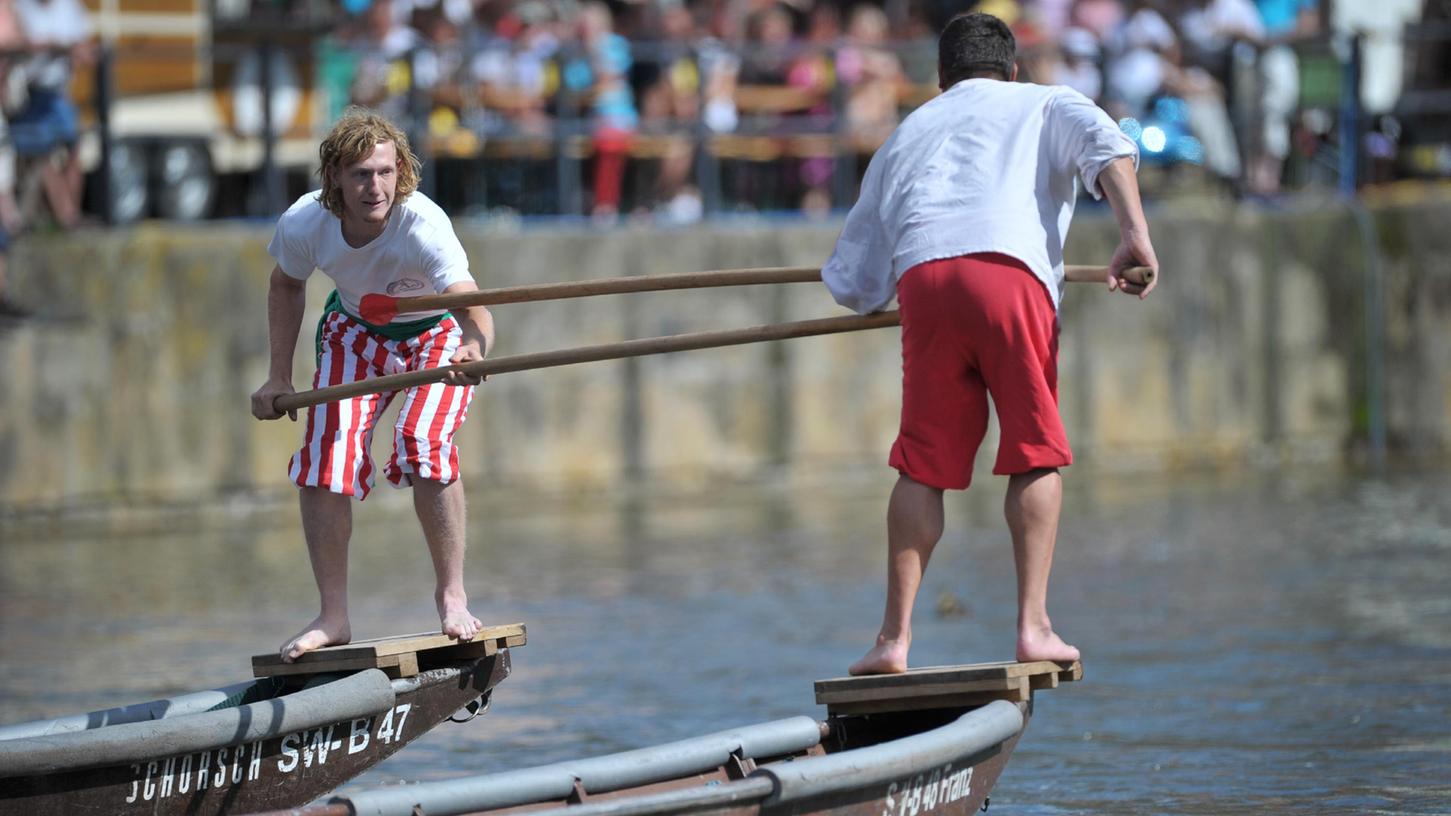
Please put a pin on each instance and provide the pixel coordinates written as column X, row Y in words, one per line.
column 1270, row 642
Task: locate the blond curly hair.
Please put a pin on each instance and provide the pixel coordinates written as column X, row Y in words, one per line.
column 352, row 140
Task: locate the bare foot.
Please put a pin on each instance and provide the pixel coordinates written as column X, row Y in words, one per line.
column 456, row 619
column 1044, row 644
column 321, row 632
column 887, row 657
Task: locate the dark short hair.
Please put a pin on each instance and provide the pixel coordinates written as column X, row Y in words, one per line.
column 975, row 44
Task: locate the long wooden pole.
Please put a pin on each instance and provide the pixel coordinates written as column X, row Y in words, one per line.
column 382, row 308
column 628, row 348
column 379, row 309
column 590, row 354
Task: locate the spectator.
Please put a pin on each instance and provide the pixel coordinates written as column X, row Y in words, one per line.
column 872, row 74
column 438, row 64
column 1038, row 54
column 382, row 44
column 1211, row 28
column 1137, row 72
column 1101, row 18
column 12, row 78
column 438, row 72
column 720, row 70
column 9, row 308
column 1151, row 65
column 1050, row 16
column 678, row 92
column 645, row 30
column 13, row 81
column 599, row 72
column 1078, row 66
column 1208, row 118
column 768, row 52
column 1285, row 21
column 513, row 62
column 46, row 128
column 811, row 66
column 813, row 73
column 783, row 81
column 671, row 103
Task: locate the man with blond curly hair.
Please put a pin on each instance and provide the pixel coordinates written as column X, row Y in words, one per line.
column 370, row 231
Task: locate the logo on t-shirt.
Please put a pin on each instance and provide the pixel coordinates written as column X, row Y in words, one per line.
column 399, row 287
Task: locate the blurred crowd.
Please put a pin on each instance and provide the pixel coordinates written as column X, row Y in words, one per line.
column 1208, row 82
column 665, row 102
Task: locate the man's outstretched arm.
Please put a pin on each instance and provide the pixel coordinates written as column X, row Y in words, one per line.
column 286, row 299
column 477, row 326
column 1119, row 183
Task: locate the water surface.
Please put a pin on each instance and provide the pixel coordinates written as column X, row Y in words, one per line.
column 1274, row 642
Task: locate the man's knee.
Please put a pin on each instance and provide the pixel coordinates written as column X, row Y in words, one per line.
column 1035, row 477
column 327, row 493
column 910, row 483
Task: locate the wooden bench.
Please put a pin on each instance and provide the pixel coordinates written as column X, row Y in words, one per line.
column 943, row 686
column 397, row 656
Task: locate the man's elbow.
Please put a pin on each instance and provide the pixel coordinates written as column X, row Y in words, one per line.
column 845, row 297
column 860, row 303
column 1113, row 176
column 1118, row 168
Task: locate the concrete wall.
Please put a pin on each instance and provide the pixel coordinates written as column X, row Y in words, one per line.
column 132, row 382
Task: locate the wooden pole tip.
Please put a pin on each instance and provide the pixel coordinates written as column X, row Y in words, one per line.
column 1141, row 275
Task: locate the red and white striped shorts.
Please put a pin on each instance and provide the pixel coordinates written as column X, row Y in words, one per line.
column 335, row 451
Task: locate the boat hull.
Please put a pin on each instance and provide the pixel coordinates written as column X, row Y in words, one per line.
column 941, row 761
column 951, row 789
column 958, row 788
column 953, row 785
column 278, row 772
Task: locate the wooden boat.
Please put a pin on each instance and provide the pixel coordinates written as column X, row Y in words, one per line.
column 931, row 741
column 279, row 741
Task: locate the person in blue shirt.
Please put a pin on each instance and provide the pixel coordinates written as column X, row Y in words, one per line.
column 1285, row 21
column 601, row 72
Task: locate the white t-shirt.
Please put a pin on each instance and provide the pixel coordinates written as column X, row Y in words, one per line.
column 987, row 166
column 417, row 254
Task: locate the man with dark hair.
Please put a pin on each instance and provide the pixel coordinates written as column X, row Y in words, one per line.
column 962, row 217
column 370, row 231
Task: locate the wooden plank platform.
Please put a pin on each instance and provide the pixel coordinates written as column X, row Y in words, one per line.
column 943, row 686
column 396, row 655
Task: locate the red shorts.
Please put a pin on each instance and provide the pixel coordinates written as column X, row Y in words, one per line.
column 975, row 326
column 336, row 450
